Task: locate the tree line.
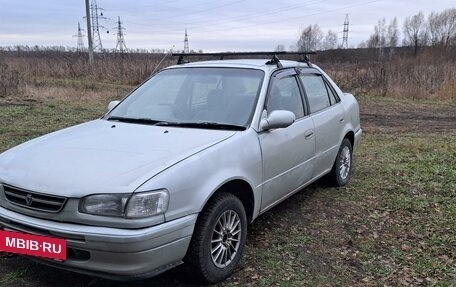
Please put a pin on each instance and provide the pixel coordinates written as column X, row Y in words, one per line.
column 437, row 30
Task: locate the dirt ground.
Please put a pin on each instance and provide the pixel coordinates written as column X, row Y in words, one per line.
column 394, row 117
column 389, row 117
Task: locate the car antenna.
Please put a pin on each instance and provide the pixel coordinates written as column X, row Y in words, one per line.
column 164, row 57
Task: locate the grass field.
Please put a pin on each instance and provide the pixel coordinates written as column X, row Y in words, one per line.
column 394, row 224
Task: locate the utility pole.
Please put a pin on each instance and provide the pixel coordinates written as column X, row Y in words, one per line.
column 89, row 34
column 345, row 35
column 186, row 49
column 120, row 47
column 80, row 47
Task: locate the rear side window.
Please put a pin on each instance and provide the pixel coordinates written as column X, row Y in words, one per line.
column 317, row 92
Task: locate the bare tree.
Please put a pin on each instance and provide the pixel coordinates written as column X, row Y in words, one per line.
column 415, row 34
column 279, row 48
column 442, row 28
column 392, row 36
column 310, row 39
column 330, row 41
column 373, row 41
column 378, row 39
column 434, row 23
column 362, row 45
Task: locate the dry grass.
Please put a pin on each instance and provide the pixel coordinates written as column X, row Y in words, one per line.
column 396, row 74
column 405, row 78
column 11, row 81
column 429, row 76
column 130, row 69
column 95, row 94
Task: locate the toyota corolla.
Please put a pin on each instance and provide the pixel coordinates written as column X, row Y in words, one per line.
column 176, row 171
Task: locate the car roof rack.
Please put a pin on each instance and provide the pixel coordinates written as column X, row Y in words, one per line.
column 274, row 60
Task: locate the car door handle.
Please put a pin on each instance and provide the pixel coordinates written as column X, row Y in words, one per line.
column 309, row 134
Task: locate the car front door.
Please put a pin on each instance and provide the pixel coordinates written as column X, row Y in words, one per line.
column 288, row 152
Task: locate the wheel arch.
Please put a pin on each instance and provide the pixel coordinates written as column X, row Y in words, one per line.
column 242, row 190
column 351, row 137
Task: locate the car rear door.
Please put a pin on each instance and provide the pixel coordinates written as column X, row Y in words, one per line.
column 328, row 118
column 287, row 152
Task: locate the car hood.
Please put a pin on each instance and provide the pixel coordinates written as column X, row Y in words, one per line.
column 101, row 157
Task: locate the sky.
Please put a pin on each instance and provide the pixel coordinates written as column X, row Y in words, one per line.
column 212, row 25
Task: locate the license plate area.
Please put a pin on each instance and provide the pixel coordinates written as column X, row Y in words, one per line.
column 33, row 245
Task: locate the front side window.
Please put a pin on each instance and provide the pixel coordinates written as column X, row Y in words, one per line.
column 285, row 95
column 194, row 95
column 316, row 92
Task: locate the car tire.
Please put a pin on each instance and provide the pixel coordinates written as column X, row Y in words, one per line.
column 218, row 239
column 342, row 168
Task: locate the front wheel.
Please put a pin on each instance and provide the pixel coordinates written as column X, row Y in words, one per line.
column 218, row 239
column 341, row 171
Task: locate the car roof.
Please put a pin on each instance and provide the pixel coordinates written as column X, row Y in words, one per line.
column 241, row 63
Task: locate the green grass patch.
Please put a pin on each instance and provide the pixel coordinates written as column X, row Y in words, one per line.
column 394, row 224
column 13, row 277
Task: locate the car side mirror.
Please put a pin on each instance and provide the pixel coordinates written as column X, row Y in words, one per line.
column 112, row 105
column 277, row 120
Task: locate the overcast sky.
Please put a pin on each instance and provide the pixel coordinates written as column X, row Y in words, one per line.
column 213, row 25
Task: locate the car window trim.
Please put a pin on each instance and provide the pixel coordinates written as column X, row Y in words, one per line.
column 331, row 88
column 308, row 70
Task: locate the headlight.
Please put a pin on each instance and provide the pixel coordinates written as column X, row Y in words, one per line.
column 147, row 203
column 134, row 205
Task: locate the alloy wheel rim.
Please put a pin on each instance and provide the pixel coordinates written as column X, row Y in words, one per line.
column 225, row 240
column 345, row 163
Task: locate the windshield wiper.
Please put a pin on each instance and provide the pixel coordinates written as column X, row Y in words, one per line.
column 209, row 125
column 137, row 120
column 202, row 125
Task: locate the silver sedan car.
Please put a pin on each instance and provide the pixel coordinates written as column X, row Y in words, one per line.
column 176, row 171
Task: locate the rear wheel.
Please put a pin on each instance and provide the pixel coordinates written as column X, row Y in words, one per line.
column 218, row 239
column 341, row 171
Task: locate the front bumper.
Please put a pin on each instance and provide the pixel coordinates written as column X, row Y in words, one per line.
column 111, row 252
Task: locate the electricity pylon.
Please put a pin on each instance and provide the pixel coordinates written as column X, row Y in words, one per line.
column 96, row 14
column 120, row 47
column 186, row 49
column 345, row 35
column 80, row 47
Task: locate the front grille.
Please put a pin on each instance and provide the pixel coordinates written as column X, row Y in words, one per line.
column 34, row 200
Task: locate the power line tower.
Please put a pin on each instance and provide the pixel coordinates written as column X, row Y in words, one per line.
column 80, row 47
column 186, row 49
column 345, row 35
column 120, row 47
column 96, row 14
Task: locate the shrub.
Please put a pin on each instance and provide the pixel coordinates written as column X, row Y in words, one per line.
column 11, row 81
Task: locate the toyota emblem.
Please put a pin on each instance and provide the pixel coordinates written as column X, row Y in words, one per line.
column 29, row 199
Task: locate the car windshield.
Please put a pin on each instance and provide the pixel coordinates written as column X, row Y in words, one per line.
column 193, row 97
